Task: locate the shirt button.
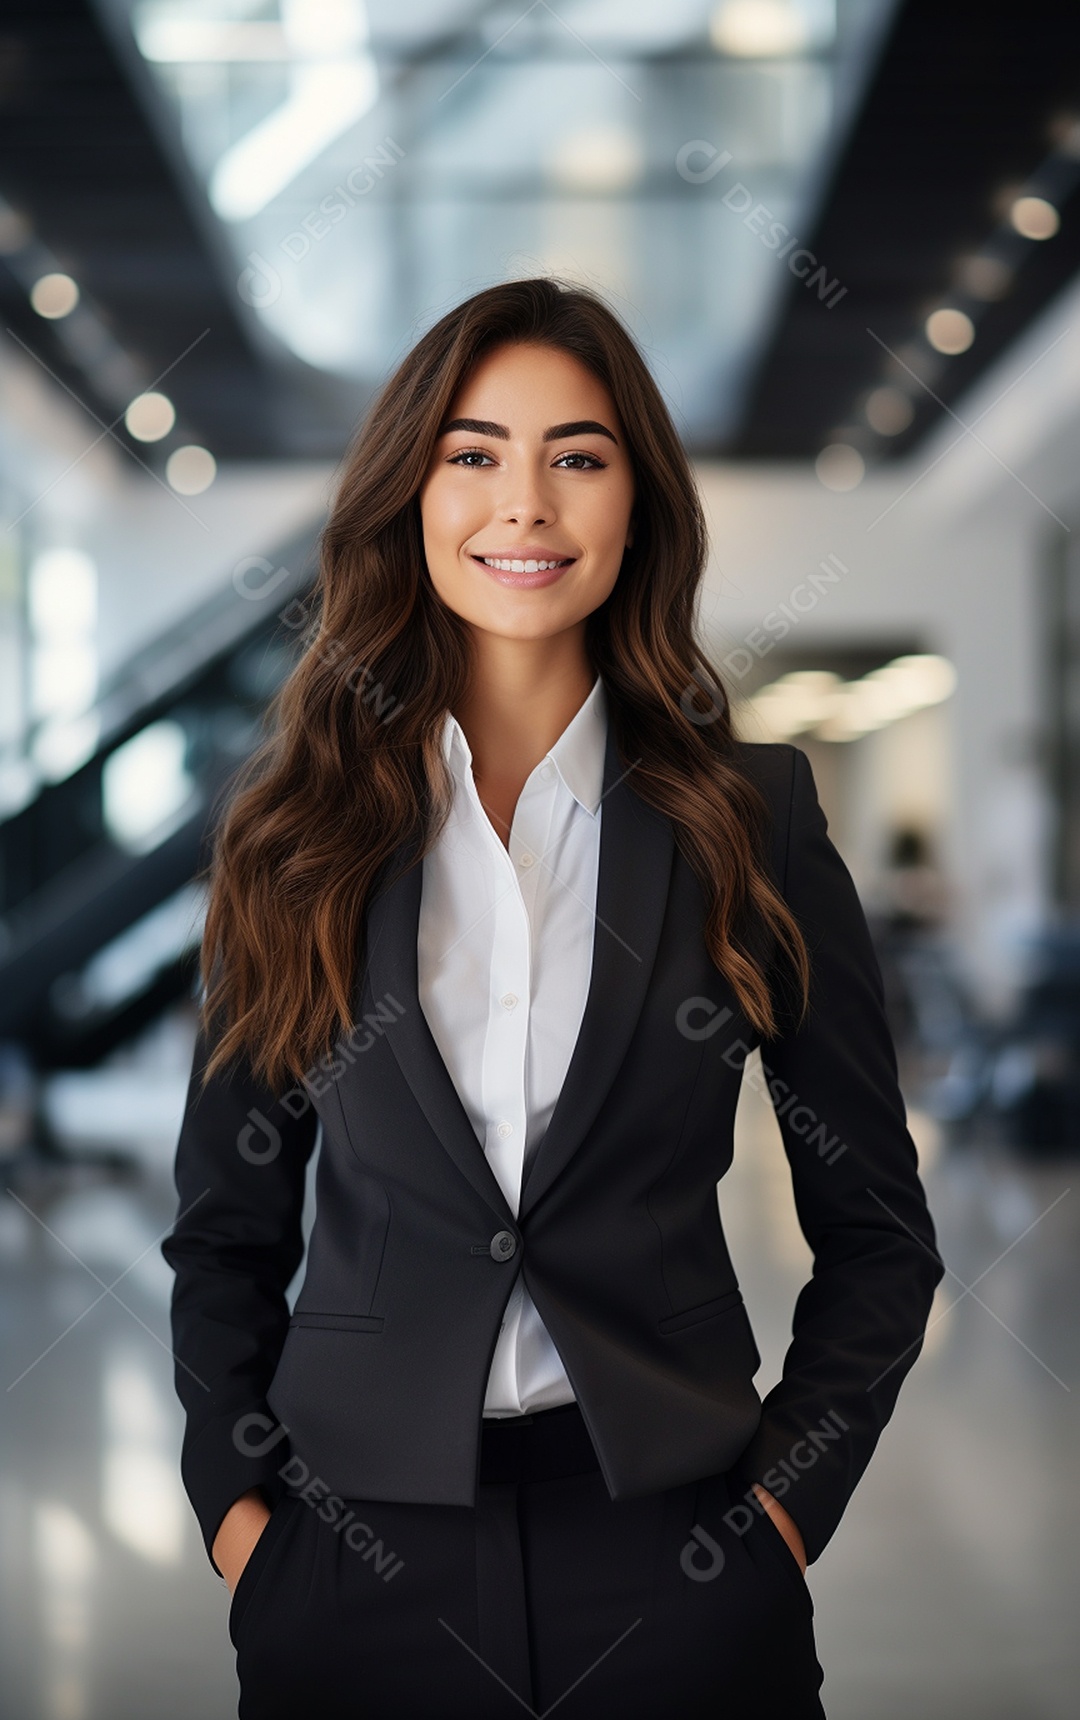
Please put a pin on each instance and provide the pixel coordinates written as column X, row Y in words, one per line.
column 526, row 860
column 505, row 1129
column 508, row 1001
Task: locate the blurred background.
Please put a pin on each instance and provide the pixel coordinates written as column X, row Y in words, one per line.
column 846, row 234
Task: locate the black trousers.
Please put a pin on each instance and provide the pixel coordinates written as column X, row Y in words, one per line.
column 545, row 1595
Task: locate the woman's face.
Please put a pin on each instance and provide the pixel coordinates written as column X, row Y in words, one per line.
column 531, row 466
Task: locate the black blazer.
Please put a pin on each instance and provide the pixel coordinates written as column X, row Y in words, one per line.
column 375, row 1383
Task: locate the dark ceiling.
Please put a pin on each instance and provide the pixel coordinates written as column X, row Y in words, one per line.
column 962, row 111
column 79, row 158
column 962, row 108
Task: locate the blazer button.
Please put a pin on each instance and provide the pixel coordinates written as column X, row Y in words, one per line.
column 503, row 1245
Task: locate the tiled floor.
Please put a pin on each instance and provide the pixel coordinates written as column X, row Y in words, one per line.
column 949, row 1591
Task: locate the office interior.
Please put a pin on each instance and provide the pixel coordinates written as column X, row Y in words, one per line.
column 846, row 234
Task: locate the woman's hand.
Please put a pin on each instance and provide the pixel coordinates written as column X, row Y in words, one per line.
column 784, row 1522
column 241, row 1527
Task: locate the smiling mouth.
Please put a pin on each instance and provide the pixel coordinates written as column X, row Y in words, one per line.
column 506, row 564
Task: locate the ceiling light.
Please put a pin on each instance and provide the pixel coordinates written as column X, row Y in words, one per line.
column 326, row 99
column 144, row 783
column 752, row 29
column 856, row 710
column 798, row 699
column 950, row 331
column 62, row 592
column 333, row 84
column 910, row 362
column 1034, row 218
column 602, row 158
column 54, row 296
column 839, row 710
column 984, row 277
column 323, row 29
column 889, row 410
column 884, row 695
column 202, row 41
column 63, row 744
column 840, row 466
column 150, row 417
column 822, row 679
column 15, row 230
column 63, row 676
column 921, row 678
column 309, row 29
column 1065, row 133
column 190, row 470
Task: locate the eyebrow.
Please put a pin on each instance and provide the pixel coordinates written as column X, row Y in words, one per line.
column 556, row 433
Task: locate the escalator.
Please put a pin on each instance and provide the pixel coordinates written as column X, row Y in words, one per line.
column 100, row 916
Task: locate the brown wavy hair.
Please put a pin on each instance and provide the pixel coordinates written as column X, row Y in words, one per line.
column 350, row 781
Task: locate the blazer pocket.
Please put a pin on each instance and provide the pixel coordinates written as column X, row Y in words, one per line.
column 703, row 1311
column 340, row 1322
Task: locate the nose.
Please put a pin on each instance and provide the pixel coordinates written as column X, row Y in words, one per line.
column 524, row 499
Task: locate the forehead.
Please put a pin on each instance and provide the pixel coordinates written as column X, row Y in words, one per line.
column 524, row 384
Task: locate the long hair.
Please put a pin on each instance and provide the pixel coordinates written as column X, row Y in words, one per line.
column 350, row 778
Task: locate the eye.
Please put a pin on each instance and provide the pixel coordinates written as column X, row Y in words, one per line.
column 464, row 454
column 594, row 463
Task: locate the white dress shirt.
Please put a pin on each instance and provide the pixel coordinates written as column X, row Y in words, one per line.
column 505, row 947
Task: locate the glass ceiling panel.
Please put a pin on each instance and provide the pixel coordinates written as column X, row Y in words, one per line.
column 369, row 165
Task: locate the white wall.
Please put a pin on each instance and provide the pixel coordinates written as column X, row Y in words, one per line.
column 159, row 555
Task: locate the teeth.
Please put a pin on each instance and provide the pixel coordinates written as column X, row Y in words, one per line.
column 530, row 566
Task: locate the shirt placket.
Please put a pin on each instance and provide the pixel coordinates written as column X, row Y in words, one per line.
column 507, row 1042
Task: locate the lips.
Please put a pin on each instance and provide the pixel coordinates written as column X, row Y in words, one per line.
column 524, row 556
column 525, row 571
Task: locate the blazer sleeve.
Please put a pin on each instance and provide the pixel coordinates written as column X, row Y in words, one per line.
column 235, row 1245
column 859, row 1321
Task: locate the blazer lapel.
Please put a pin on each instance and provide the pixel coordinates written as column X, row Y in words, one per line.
column 393, row 969
column 637, row 846
column 636, row 851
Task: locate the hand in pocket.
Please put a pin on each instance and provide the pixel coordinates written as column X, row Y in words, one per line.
column 784, row 1524
column 241, row 1528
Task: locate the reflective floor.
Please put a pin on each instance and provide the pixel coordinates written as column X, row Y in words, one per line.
column 949, row 1591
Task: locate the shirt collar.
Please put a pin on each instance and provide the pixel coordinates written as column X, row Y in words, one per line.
column 578, row 754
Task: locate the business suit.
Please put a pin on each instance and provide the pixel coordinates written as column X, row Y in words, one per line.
column 375, row 1382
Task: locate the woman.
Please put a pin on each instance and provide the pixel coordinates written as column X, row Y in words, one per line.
column 503, row 906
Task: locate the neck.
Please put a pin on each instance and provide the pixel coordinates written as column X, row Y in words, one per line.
column 521, row 697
